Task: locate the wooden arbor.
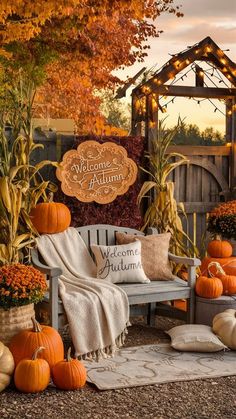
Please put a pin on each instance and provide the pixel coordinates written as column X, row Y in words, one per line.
column 145, row 97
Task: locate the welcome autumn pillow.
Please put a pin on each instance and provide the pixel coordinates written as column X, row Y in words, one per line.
column 119, row 264
column 154, row 254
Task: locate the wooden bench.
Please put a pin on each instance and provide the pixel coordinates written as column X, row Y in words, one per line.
column 150, row 295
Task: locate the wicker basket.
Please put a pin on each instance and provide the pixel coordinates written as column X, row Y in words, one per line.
column 14, row 320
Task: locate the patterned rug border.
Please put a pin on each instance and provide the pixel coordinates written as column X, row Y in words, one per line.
column 91, row 366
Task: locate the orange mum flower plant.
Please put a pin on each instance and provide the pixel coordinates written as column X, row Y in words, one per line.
column 20, row 285
column 222, row 220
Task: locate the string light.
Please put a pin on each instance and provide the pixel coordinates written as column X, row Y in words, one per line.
column 152, row 124
column 177, row 61
column 216, row 108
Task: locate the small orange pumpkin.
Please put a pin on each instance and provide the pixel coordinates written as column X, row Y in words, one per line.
column 50, row 217
column 27, row 341
column 219, row 249
column 69, row 374
column 32, row 375
column 208, row 287
column 228, row 281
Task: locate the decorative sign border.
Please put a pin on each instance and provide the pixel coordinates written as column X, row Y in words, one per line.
column 96, row 172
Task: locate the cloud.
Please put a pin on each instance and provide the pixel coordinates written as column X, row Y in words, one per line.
column 214, row 18
column 208, row 8
column 193, row 32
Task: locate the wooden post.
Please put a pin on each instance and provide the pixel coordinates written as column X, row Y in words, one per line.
column 199, row 78
column 153, row 129
column 228, row 122
column 233, row 149
column 147, row 117
column 135, row 122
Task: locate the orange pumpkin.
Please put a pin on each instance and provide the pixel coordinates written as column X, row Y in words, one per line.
column 32, row 375
column 180, row 304
column 69, row 374
column 219, row 249
column 50, row 217
column 228, row 281
column 208, row 287
column 228, row 264
column 27, row 341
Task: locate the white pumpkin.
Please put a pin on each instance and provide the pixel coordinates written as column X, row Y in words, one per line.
column 7, row 366
column 224, row 326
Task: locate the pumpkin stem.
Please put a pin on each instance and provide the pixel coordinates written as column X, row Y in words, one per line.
column 35, row 354
column 217, row 237
column 50, row 197
column 36, row 326
column 219, row 269
column 68, row 355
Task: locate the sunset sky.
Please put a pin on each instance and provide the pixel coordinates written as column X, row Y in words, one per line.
column 214, row 18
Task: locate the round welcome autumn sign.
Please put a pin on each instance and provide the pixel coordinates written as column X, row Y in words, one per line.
column 96, row 172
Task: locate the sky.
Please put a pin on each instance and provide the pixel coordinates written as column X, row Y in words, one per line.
column 214, row 18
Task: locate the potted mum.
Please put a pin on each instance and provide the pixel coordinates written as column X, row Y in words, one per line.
column 20, row 287
column 222, row 222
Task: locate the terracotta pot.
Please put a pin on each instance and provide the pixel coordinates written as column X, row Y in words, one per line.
column 14, row 320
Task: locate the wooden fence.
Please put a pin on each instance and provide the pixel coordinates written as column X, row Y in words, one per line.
column 200, row 185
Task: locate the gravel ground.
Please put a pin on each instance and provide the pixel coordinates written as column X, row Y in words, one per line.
column 211, row 398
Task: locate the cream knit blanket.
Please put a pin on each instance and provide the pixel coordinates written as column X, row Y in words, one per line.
column 97, row 311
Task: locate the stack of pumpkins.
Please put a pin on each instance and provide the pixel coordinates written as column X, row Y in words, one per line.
column 34, row 356
column 218, row 271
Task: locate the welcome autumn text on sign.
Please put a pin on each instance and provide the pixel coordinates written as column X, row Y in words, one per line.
column 96, row 172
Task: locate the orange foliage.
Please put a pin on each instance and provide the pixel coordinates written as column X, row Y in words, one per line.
column 90, row 40
column 25, row 19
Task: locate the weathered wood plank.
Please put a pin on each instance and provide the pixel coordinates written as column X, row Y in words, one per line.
column 199, row 150
column 199, row 207
column 189, row 91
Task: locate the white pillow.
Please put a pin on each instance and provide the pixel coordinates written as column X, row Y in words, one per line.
column 118, row 264
column 195, row 338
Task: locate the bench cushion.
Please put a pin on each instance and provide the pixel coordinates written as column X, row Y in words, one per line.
column 119, row 264
column 154, row 253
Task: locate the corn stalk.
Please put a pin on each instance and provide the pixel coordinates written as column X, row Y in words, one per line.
column 163, row 210
column 21, row 184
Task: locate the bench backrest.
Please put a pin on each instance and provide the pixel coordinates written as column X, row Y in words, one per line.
column 103, row 234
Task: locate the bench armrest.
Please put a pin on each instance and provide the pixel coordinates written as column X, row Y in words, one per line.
column 52, row 272
column 184, row 260
column 191, row 263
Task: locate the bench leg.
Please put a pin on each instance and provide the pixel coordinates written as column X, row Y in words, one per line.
column 191, row 309
column 53, row 303
column 151, row 314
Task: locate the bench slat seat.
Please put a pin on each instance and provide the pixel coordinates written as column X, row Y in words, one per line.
column 152, row 293
column 156, row 291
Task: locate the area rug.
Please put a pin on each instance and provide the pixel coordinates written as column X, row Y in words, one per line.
column 156, row 364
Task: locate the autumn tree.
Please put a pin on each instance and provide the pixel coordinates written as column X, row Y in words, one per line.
column 70, row 47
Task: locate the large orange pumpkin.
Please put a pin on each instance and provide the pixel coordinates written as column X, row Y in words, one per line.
column 27, row 341
column 69, row 374
column 228, row 281
column 208, row 287
column 32, row 375
column 50, row 217
column 219, row 249
column 228, row 264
